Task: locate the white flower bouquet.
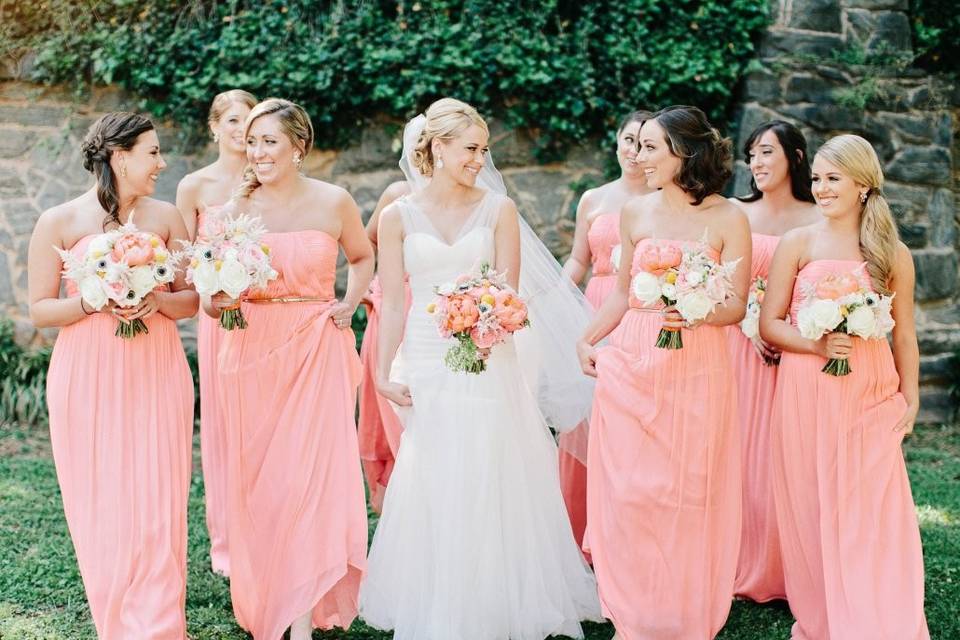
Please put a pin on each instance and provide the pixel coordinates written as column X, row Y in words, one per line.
column 230, row 257
column 120, row 266
column 839, row 303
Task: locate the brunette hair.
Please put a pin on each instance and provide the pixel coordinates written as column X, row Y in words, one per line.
column 795, row 148
column 706, row 158
column 113, row 131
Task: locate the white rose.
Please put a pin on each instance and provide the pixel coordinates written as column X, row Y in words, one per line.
column 750, row 326
column 826, row 314
column 234, row 278
column 694, row 306
column 206, row 280
column 693, row 278
column 808, row 328
column 101, row 245
column 669, row 291
column 646, row 287
column 142, row 281
column 615, row 256
column 91, row 290
column 862, row 322
column 446, row 289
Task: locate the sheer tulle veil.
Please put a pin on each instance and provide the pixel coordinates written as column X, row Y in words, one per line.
column 557, row 309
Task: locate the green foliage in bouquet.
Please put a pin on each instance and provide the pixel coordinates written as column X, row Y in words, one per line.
column 563, row 70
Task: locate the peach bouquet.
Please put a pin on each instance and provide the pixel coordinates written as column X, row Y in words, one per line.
column 120, row 266
column 838, row 302
column 686, row 279
column 480, row 310
column 229, row 256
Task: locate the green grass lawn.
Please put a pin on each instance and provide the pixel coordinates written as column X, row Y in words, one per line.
column 41, row 597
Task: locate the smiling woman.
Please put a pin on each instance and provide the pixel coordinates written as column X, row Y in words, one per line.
column 121, row 411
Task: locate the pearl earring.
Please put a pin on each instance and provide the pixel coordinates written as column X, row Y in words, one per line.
column 439, row 163
column 216, row 137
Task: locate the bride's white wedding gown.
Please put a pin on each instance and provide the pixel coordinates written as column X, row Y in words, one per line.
column 474, row 542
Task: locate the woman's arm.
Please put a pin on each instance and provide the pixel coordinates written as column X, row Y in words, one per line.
column 47, row 308
column 392, row 310
column 393, row 191
column 576, row 265
column 611, row 312
column 737, row 245
column 188, row 204
column 507, row 243
column 359, row 254
column 775, row 326
column 906, row 353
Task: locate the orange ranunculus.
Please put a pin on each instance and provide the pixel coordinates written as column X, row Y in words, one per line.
column 837, row 285
column 462, row 313
column 133, row 249
column 657, row 259
column 510, row 310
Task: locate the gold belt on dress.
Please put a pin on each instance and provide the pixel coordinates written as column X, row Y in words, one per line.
column 286, row 299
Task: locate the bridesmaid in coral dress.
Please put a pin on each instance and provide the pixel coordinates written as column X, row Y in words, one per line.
column 214, row 185
column 848, row 527
column 378, row 427
column 663, row 486
column 780, row 200
column 288, row 382
column 121, row 410
column 595, row 244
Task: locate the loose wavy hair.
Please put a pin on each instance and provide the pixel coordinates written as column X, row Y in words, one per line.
column 706, row 159
column 795, row 148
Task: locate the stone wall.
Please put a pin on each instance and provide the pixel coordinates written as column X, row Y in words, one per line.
column 831, row 67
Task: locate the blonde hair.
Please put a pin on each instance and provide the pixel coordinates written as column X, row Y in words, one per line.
column 878, row 231
column 294, row 122
column 222, row 101
column 446, row 119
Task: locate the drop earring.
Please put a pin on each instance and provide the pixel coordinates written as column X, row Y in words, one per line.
column 297, row 160
column 863, row 197
column 216, row 137
column 439, row 163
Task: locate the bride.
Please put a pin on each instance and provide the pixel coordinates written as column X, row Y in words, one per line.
column 474, row 542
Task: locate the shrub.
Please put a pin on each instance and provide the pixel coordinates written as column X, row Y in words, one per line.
column 562, row 69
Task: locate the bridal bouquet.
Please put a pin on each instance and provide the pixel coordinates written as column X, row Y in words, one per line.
column 123, row 266
column 689, row 280
column 839, row 303
column 480, row 310
column 228, row 256
column 750, row 325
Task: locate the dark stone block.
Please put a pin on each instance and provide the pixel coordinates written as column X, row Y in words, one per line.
column 377, row 144
column 880, row 30
column 762, row 86
column 936, row 368
column 943, row 129
column 938, row 340
column 777, row 41
column 943, row 218
column 805, row 87
column 11, row 186
column 15, row 142
column 913, row 127
column 924, row 165
column 876, row 5
column 879, row 136
column 936, row 405
column 816, row 15
column 936, row 273
column 913, row 235
column 827, row 117
column 33, row 115
column 948, row 315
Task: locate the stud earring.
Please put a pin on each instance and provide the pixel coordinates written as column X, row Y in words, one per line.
column 863, row 197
